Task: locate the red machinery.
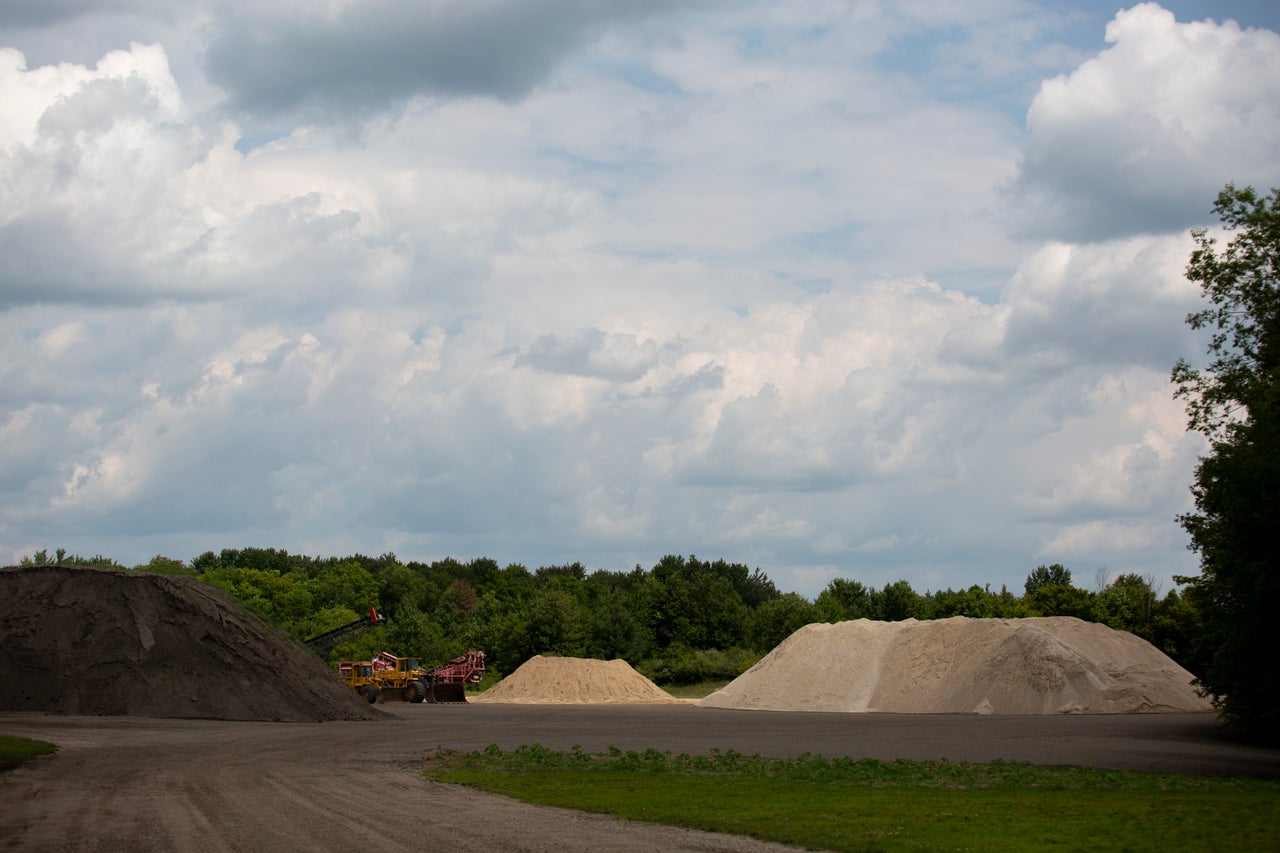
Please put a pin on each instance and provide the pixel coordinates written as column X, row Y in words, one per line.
column 464, row 669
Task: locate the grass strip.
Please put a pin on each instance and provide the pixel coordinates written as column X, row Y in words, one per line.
column 15, row 750
column 856, row 805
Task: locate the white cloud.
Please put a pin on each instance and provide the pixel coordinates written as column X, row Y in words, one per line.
column 1140, row 138
column 718, row 282
column 1121, row 301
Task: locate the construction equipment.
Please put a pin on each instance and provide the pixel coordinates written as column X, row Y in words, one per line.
column 324, row 643
column 358, row 675
column 388, row 678
column 399, row 678
column 448, row 681
column 406, row 678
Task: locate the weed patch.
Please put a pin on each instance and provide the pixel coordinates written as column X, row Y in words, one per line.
column 15, row 750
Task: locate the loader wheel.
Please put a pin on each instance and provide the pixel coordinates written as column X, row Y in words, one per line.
column 370, row 693
column 416, row 692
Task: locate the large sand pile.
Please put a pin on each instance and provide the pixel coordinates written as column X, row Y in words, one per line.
column 1057, row 665
column 575, row 681
column 108, row 642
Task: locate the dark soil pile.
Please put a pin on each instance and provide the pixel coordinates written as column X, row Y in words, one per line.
column 118, row 642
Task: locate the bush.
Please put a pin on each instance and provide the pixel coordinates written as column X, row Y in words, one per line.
column 680, row 665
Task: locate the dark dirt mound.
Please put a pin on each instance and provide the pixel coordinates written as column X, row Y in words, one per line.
column 108, row 642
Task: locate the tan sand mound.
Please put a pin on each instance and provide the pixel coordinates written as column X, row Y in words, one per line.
column 118, row 642
column 1052, row 665
column 575, row 681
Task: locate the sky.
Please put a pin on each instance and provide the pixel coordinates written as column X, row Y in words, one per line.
column 868, row 290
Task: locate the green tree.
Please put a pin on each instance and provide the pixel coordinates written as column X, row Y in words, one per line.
column 345, row 584
column 843, row 600
column 400, row 587
column 457, row 603
column 411, row 634
column 1057, row 574
column 1175, row 628
column 1234, row 401
column 60, row 557
column 779, row 618
column 691, row 603
column 615, row 631
column 975, row 602
column 1129, row 604
column 162, row 565
column 896, row 602
column 553, row 624
column 1057, row 599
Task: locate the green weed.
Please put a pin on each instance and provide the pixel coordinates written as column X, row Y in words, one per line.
column 15, row 750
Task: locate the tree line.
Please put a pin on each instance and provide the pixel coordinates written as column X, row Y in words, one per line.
column 682, row 621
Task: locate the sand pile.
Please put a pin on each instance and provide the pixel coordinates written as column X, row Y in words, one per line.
column 1055, row 665
column 108, row 642
column 575, row 681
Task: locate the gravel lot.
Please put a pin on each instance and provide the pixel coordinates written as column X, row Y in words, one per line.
column 141, row 784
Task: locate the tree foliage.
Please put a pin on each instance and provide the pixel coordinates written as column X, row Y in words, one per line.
column 1057, row 574
column 1234, row 401
column 60, row 557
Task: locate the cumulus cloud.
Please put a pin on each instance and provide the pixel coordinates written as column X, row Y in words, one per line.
column 93, row 160
column 1140, row 138
column 1118, row 302
column 729, row 289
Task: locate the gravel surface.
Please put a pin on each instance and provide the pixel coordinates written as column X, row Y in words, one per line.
column 142, row 784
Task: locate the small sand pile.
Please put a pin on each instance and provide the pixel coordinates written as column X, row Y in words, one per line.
column 575, row 681
column 1051, row 665
column 118, row 642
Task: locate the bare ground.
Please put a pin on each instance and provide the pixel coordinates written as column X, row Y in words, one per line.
column 145, row 784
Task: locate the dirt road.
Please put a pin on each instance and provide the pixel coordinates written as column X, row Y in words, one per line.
column 140, row 784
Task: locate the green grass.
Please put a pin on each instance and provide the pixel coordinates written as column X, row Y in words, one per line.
column 15, row 750
column 857, row 805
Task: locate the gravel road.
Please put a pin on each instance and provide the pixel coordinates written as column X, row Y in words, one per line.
column 142, row 784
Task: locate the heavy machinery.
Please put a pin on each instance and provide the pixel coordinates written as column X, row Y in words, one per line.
column 467, row 668
column 358, row 675
column 399, row 678
column 389, row 678
column 406, row 678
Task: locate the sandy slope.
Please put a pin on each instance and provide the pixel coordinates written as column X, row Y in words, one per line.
column 575, row 681
column 967, row 666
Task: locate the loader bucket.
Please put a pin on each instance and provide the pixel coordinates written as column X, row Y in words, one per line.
column 442, row 693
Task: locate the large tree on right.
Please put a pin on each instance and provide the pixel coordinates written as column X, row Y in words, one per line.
column 1234, row 400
